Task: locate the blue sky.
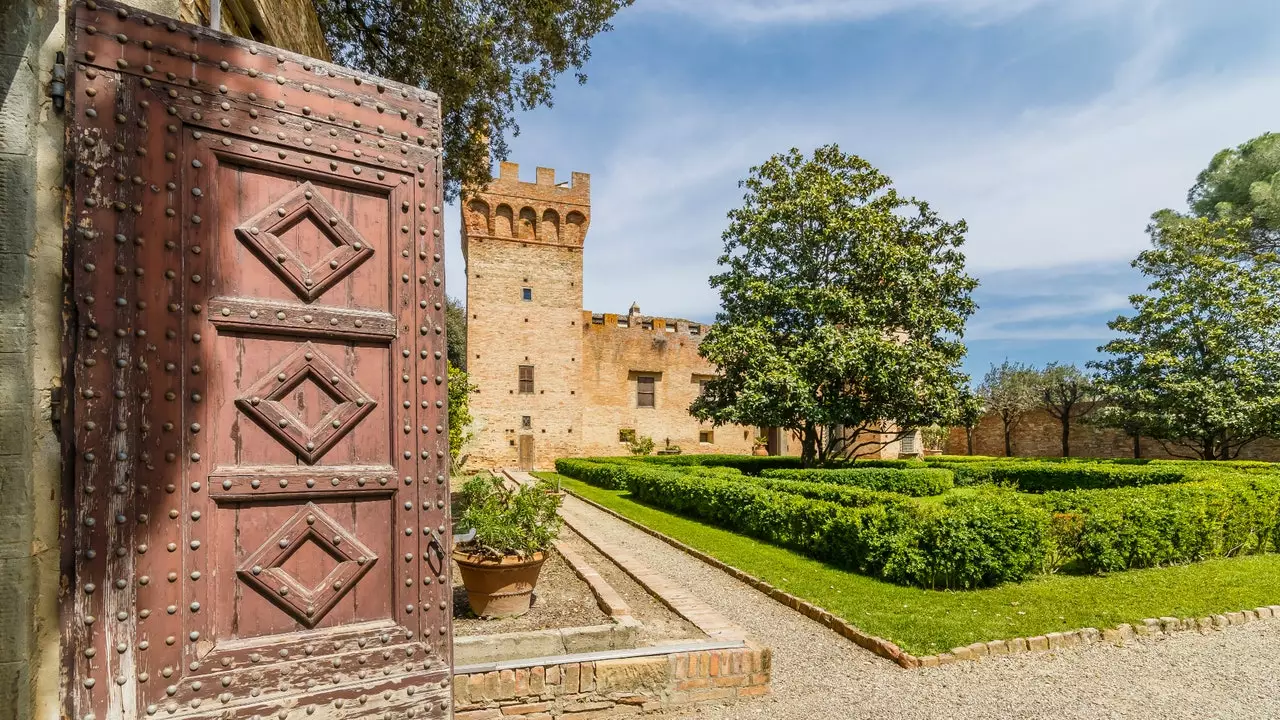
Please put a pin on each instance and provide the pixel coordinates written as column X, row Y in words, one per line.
column 1055, row 128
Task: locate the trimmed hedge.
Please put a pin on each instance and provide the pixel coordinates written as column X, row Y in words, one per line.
column 748, row 464
column 1039, row 477
column 847, row 495
column 1109, row 530
column 924, row 482
column 966, row 542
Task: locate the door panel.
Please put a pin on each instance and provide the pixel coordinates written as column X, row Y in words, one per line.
column 256, row 345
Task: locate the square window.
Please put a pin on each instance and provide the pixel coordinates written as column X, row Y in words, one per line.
column 526, row 294
column 706, row 436
column 526, row 422
column 526, row 379
column 644, row 392
column 627, row 435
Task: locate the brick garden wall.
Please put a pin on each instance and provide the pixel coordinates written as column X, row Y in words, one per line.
column 608, row 688
column 1039, row 434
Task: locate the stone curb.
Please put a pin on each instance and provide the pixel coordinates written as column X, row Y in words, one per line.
column 877, row 645
column 1118, row 635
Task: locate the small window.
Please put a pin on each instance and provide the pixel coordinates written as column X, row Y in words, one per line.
column 526, row 294
column 644, row 392
column 526, row 422
column 706, row 436
column 702, row 387
column 624, row 322
column 526, row 379
column 695, row 329
column 627, row 435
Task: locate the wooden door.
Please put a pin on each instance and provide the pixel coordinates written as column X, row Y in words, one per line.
column 526, row 452
column 257, row 449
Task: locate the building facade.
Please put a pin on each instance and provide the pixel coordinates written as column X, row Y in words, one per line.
column 553, row 379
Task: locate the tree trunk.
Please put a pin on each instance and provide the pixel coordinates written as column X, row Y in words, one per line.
column 1008, row 439
column 1137, row 447
column 1066, row 435
column 809, row 446
column 968, row 436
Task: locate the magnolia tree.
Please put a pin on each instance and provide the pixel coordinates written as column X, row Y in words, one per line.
column 1197, row 364
column 843, row 304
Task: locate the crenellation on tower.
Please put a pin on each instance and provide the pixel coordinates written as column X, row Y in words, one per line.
column 541, row 211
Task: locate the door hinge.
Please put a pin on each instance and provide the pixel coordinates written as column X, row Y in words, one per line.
column 58, row 87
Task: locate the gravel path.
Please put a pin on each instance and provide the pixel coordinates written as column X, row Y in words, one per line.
column 1225, row 675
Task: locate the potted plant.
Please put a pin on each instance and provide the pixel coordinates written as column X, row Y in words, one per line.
column 760, row 446
column 513, row 532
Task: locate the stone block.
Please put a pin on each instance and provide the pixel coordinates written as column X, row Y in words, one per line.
column 929, row 661
column 537, row 680
column 587, row 676
column 1089, row 636
column 506, row 685
column 998, row 647
column 631, row 674
column 16, row 578
column 1220, row 621
column 487, row 714
column 17, row 213
column 1018, row 645
column 1236, row 618
column 978, row 649
column 1170, row 624
column 525, row 708
column 15, row 689
column 572, row 673
column 1055, row 640
column 16, row 508
column 18, row 105
column 1039, row 642
column 962, row 653
column 1264, row 612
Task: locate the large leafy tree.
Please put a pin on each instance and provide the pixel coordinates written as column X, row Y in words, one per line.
column 1243, row 183
column 1197, row 364
column 843, row 303
column 1067, row 393
column 971, row 410
column 485, row 58
column 1010, row 390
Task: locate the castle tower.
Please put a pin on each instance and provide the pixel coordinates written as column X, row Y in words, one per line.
column 522, row 243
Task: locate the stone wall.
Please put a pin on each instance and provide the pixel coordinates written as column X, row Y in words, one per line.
column 523, row 247
column 505, row 331
column 616, row 355
column 609, row 688
column 31, row 217
column 1038, row 434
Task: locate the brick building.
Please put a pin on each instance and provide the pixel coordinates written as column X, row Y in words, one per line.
column 554, row 379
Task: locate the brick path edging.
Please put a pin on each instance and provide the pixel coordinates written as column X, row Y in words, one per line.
column 1120, row 634
column 609, row 688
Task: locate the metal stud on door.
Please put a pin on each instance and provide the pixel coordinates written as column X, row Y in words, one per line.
column 257, row 442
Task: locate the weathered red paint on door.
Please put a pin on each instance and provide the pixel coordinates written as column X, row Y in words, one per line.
column 257, row 450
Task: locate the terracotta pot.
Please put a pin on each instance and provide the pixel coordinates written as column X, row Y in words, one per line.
column 499, row 588
column 760, row 450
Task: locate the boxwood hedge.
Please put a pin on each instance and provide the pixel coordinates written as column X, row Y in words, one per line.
column 1040, row 476
column 922, row 482
column 971, row 541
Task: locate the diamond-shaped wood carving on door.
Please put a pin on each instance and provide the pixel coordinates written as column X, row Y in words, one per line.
column 264, row 571
column 263, row 233
column 264, row 403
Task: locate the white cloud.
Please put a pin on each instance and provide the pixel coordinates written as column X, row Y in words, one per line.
column 774, row 12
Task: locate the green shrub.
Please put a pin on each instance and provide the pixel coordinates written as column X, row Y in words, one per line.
column 974, row 541
column 922, row 482
column 1038, row 476
column 847, row 495
column 523, row 522
column 608, row 475
column 748, row 464
column 898, row 463
column 1148, row 526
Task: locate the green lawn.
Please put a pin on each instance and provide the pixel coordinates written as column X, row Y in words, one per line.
column 925, row 622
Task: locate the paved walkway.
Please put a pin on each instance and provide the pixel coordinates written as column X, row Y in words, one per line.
column 1228, row 675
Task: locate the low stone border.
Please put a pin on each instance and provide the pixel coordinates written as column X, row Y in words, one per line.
column 891, row 651
column 671, row 594
column 609, row 688
column 1118, row 636
column 608, row 599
